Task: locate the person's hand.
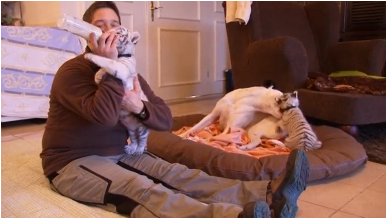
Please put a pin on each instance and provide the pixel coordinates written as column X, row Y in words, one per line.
column 132, row 99
column 105, row 46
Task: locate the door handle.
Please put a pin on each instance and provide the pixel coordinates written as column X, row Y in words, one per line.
column 152, row 9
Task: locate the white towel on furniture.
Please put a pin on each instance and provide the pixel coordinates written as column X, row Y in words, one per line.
column 238, row 11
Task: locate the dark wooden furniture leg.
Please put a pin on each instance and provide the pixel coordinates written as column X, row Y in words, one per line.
column 351, row 130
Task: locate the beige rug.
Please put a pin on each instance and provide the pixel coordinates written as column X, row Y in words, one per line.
column 25, row 192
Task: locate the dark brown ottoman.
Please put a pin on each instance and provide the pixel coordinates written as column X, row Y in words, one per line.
column 340, row 154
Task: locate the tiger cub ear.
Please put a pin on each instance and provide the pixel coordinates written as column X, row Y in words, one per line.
column 294, row 94
column 135, row 37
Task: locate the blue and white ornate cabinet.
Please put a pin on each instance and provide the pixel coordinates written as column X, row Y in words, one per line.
column 30, row 58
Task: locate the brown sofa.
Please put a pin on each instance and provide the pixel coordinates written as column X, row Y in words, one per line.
column 284, row 41
column 339, row 155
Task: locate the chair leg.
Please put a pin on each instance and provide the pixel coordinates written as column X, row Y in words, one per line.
column 351, row 130
column 229, row 81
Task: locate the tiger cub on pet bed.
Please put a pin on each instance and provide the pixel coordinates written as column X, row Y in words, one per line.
column 125, row 69
column 300, row 133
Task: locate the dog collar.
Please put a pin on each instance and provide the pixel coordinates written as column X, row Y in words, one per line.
column 288, row 108
column 124, row 55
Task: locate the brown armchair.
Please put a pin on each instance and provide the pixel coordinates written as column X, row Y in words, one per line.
column 284, row 41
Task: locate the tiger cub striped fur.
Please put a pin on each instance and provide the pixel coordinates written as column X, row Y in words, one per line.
column 300, row 133
column 125, row 69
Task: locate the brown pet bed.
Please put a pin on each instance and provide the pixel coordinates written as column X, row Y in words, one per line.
column 339, row 155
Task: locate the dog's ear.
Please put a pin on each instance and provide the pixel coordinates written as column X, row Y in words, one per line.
column 135, row 37
column 294, row 94
column 269, row 84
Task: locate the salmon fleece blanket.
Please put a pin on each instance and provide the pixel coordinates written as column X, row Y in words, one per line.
column 229, row 142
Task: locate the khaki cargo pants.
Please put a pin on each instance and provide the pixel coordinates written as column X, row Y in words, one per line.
column 147, row 186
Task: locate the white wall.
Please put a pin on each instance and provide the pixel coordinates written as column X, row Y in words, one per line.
column 46, row 13
column 74, row 8
column 40, row 13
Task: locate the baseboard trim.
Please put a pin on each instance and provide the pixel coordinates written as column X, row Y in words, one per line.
column 194, row 98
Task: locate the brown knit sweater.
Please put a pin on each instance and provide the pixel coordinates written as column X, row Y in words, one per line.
column 83, row 116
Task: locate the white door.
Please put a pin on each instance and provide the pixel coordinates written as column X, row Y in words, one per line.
column 188, row 49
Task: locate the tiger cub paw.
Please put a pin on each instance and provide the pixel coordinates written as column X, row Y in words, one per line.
column 139, row 151
column 131, row 149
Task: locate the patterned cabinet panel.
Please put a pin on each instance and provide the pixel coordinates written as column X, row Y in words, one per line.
column 30, row 57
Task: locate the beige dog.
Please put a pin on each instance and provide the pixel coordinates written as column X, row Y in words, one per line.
column 267, row 128
column 240, row 108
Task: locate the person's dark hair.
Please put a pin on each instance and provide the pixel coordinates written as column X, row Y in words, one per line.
column 98, row 5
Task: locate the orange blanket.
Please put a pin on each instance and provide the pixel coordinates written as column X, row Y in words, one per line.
column 230, row 141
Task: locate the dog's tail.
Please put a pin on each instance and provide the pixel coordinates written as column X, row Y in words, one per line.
column 205, row 122
column 277, row 142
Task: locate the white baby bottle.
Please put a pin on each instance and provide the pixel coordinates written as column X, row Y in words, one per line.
column 78, row 26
